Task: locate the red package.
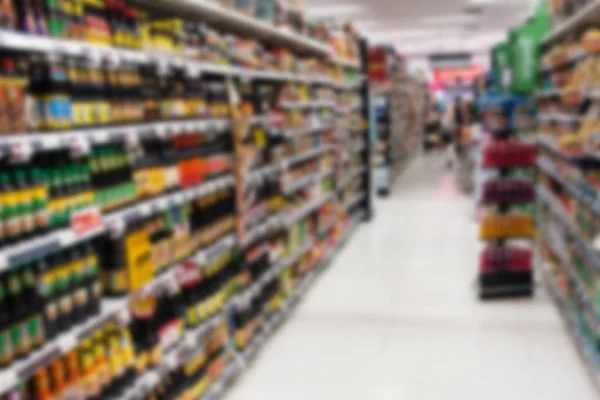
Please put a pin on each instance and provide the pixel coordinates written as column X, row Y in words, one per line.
column 503, row 258
column 508, row 191
column 191, row 172
column 513, row 153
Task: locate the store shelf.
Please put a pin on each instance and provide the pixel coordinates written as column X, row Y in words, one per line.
column 301, row 183
column 259, row 175
column 295, row 133
column 235, row 21
column 217, row 388
column 345, row 63
column 348, row 109
column 584, row 348
column 34, row 248
column 174, row 356
column 351, row 176
column 357, row 198
column 20, row 146
column 253, row 290
column 116, row 220
column 110, row 308
column 348, row 85
column 64, row 343
column 307, row 210
column 584, row 16
column 571, row 59
column 559, row 117
column 559, row 251
column 273, row 222
column 308, row 104
column 305, row 155
column 210, row 12
column 358, row 149
column 78, row 139
column 580, row 244
column 53, row 45
column 591, row 202
column 244, row 357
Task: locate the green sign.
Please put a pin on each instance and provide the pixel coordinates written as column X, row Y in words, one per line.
column 526, row 54
column 502, row 62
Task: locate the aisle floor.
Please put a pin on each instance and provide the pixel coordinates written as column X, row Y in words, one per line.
column 395, row 317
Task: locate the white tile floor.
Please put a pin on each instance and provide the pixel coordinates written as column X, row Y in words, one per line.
column 395, row 318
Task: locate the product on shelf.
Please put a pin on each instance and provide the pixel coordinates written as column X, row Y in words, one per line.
column 127, row 187
column 509, row 154
column 508, row 191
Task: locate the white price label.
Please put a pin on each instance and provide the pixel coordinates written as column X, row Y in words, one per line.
column 21, row 151
column 115, row 227
column 78, row 146
column 131, row 139
column 8, row 379
column 193, row 70
column 67, row 342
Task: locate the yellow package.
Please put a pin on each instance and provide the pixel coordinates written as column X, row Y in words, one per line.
column 506, row 226
column 139, row 260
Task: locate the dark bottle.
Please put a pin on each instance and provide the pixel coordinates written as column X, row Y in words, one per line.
column 10, row 209
column 40, row 200
column 78, row 287
column 63, row 291
column 25, row 204
column 92, row 280
column 26, row 16
column 47, row 291
column 18, row 329
column 4, row 204
column 6, row 347
column 33, row 305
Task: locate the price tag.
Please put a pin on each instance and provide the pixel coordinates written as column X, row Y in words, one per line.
column 86, row 221
column 67, row 343
column 193, row 70
column 152, row 380
column 21, row 151
column 162, row 66
column 8, row 379
column 78, row 146
column 93, row 55
column 115, row 227
column 131, row 139
column 201, row 259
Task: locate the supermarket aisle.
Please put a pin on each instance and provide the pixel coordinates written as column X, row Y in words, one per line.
column 395, row 317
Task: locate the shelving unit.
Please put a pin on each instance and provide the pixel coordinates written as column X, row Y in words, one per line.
column 269, row 195
column 506, row 264
column 567, row 205
column 399, row 103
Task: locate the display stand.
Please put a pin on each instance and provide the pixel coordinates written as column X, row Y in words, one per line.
column 505, row 269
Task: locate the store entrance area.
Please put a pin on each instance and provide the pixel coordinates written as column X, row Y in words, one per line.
column 396, row 316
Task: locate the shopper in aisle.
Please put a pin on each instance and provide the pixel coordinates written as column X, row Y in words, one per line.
column 433, row 128
column 455, row 120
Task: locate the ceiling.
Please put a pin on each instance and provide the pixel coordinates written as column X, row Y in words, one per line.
column 420, row 27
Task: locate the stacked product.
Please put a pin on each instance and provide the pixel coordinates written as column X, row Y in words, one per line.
column 169, row 188
column 505, row 269
column 568, row 188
